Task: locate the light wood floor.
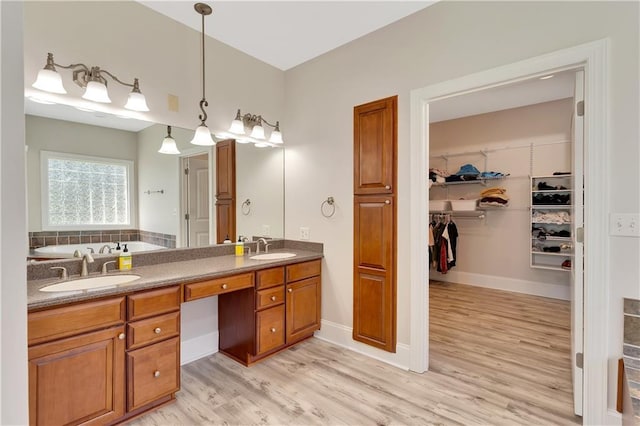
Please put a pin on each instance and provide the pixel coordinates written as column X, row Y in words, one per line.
column 496, row 358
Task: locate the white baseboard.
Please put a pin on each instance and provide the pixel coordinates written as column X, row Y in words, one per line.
column 613, row 417
column 554, row 291
column 198, row 347
column 342, row 335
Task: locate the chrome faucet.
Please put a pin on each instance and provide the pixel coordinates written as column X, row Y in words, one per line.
column 86, row 258
column 105, row 247
column 104, row 266
column 266, row 245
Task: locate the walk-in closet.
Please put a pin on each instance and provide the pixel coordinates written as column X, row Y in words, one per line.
column 504, row 210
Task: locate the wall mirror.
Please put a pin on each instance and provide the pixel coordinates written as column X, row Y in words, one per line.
column 161, row 192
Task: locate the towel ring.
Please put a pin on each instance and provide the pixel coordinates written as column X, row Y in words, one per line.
column 331, row 203
column 246, row 207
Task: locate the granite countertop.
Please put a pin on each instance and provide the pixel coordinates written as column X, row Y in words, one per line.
column 160, row 275
column 631, row 353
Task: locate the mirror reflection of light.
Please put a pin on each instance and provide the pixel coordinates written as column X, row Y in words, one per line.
column 41, row 101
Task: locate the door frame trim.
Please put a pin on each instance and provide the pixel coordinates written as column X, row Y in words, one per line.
column 186, row 153
column 593, row 57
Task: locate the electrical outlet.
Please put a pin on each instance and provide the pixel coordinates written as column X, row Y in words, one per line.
column 624, row 224
column 266, row 230
column 304, row 233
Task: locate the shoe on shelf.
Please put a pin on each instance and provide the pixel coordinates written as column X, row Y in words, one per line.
column 542, row 186
column 566, row 264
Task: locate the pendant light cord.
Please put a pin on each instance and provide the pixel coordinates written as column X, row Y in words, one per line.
column 203, row 102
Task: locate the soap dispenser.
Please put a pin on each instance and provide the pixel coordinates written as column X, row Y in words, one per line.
column 240, row 247
column 125, row 259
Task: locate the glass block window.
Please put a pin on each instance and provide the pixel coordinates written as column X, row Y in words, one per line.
column 85, row 192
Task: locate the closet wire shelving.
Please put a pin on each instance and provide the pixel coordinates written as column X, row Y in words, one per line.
column 478, row 213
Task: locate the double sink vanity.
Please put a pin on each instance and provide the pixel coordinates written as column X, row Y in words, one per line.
column 103, row 352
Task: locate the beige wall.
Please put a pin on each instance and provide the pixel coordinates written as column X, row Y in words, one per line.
column 45, row 134
column 447, row 40
column 532, row 140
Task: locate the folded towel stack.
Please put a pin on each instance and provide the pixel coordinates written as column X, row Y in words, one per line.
column 494, row 197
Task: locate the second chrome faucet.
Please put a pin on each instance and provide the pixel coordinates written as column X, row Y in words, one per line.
column 266, row 245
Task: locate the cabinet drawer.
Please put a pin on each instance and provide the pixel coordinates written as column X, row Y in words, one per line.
column 153, row 372
column 153, row 302
column 303, row 270
column 67, row 321
column 140, row 333
column 269, row 297
column 270, row 329
column 217, row 286
column 270, row 277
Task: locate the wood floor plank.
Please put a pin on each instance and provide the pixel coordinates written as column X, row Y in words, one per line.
column 496, row 358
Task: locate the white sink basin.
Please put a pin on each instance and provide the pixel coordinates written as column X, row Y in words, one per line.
column 272, row 256
column 92, row 283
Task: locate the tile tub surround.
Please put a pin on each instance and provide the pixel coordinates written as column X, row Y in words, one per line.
column 52, row 238
column 631, row 352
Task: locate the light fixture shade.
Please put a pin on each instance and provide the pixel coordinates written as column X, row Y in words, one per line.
column 49, row 81
column 137, row 102
column 276, row 137
column 237, row 127
column 169, row 146
column 258, row 132
column 96, row 92
column 203, row 137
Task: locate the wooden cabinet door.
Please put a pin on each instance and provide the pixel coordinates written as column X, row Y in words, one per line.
column 375, row 147
column 78, row 379
column 225, row 190
column 153, row 372
column 374, row 288
column 303, row 308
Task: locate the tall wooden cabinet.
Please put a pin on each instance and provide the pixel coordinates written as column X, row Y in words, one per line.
column 375, row 181
column 225, row 190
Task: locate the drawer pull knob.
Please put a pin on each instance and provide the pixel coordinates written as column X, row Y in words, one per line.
column 273, row 298
column 273, row 330
column 157, row 330
column 121, row 336
column 224, row 286
column 387, row 187
column 387, row 202
column 156, row 373
column 290, row 290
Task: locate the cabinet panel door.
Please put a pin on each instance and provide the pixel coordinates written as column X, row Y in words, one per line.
column 373, row 231
column 77, row 380
column 375, row 130
column 374, row 319
column 303, row 309
column 225, row 220
column 374, row 293
column 269, row 329
column 153, row 372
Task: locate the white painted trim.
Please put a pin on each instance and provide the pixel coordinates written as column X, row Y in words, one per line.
column 342, row 335
column 613, row 418
column 593, row 57
column 198, row 347
column 536, row 288
column 419, row 273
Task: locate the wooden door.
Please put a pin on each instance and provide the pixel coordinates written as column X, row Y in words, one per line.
column 78, row 379
column 225, row 190
column 374, row 136
column 375, row 179
column 374, row 294
column 303, row 308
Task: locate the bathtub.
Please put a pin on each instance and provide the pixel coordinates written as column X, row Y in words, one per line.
column 67, row 250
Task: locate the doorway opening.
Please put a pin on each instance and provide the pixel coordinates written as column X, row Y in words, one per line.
column 195, row 211
column 592, row 57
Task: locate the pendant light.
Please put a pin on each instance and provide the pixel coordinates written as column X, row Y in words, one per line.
column 203, row 135
column 169, row 144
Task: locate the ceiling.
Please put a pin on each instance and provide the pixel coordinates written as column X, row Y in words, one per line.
column 287, row 33
column 527, row 92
